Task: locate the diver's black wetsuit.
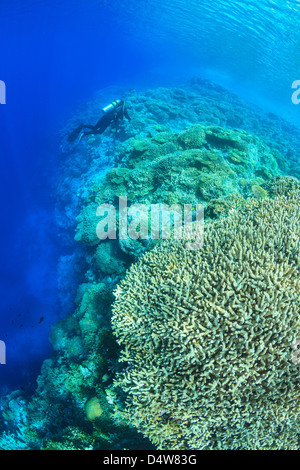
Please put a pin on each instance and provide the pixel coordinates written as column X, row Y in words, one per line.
column 114, row 115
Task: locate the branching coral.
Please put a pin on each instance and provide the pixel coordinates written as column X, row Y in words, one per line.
column 207, row 335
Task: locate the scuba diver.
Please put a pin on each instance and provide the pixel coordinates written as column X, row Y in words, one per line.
column 113, row 113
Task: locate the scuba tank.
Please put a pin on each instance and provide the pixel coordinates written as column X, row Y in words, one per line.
column 111, row 106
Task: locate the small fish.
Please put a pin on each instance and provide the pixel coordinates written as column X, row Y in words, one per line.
column 41, row 319
column 106, row 377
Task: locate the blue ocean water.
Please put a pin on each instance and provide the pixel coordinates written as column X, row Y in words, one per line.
column 54, row 57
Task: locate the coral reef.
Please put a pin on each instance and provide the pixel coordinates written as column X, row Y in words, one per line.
column 207, row 335
column 204, row 163
column 238, row 149
column 196, row 143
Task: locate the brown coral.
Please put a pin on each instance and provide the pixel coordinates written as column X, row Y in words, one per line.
column 207, row 334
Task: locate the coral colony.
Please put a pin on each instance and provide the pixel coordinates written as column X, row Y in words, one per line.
column 208, row 333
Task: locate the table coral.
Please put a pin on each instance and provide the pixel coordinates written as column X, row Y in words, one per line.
column 207, row 335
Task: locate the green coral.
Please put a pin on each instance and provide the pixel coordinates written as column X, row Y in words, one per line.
column 208, row 334
column 193, row 137
column 220, row 207
column 222, row 137
column 282, row 185
column 108, row 259
column 86, row 225
column 258, row 191
column 188, row 167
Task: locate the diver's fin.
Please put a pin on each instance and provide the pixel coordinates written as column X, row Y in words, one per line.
column 74, row 134
column 78, row 140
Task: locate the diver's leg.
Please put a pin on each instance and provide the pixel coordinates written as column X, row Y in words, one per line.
column 103, row 123
column 77, row 131
column 96, row 131
column 88, row 126
column 98, row 128
column 89, row 132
